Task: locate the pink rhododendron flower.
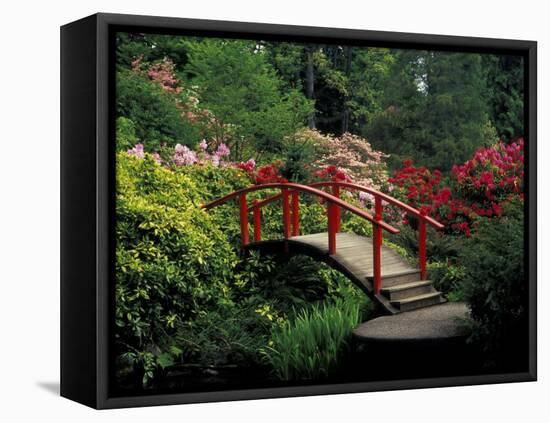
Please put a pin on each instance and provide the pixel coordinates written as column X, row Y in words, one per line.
column 157, row 158
column 184, row 156
column 203, row 145
column 215, row 160
column 223, row 150
column 137, row 151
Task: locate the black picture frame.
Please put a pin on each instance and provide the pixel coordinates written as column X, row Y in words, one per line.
column 87, row 196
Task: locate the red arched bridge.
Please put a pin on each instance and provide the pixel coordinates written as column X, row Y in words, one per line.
column 378, row 270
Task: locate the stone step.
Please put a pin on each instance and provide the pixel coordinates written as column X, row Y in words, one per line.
column 399, row 278
column 418, row 301
column 407, row 290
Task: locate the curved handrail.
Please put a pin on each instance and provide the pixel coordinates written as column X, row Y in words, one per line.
column 385, row 197
column 308, row 189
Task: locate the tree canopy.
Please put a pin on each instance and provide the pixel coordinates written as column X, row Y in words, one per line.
column 436, row 107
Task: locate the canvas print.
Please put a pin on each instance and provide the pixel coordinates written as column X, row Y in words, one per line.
column 293, row 213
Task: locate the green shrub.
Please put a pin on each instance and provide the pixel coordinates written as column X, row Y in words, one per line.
column 439, row 247
column 496, row 288
column 172, row 261
column 230, row 335
column 153, row 111
column 125, row 134
column 447, row 278
column 310, row 347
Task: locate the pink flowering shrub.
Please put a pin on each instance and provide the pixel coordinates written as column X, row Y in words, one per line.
column 355, row 157
column 182, row 155
column 163, row 73
column 137, row 151
column 186, row 100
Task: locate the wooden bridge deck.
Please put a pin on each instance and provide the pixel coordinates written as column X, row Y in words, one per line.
column 402, row 287
column 355, row 253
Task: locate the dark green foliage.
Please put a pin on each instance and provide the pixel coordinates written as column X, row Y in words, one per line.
column 496, row 288
column 439, row 246
column 231, row 335
column 297, row 157
column 505, row 92
column 447, row 278
column 150, row 48
column 237, row 84
column 153, row 112
column 126, row 137
column 433, row 109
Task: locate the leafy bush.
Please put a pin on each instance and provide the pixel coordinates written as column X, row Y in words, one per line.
column 239, row 86
column 310, row 347
column 439, row 247
column 230, row 335
column 447, row 278
column 153, row 110
column 172, row 261
column 126, row 137
column 496, row 288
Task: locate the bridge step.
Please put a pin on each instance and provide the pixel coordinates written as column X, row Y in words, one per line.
column 402, row 287
column 399, row 277
column 407, row 290
column 418, row 301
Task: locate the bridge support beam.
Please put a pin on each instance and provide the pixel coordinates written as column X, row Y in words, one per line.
column 286, row 213
column 257, row 222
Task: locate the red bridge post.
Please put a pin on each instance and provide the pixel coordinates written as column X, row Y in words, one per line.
column 295, row 214
column 286, row 213
column 243, row 211
column 257, row 222
column 337, row 212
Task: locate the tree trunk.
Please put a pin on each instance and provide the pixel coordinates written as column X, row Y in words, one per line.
column 310, row 84
column 346, row 112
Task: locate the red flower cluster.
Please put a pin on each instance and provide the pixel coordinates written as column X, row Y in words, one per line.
column 419, row 183
column 247, row 166
column 479, row 187
column 493, row 173
column 269, row 174
column 332, row 173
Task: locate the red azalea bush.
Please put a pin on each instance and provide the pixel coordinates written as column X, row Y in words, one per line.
column 331, row 173
column 270, row 173
column 479, row 187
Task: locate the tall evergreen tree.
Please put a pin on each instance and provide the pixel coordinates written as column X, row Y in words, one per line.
column 505, row 94
column 433, row 109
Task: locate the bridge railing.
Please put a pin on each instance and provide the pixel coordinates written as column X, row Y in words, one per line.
column 379, row 199
column 290, row 204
